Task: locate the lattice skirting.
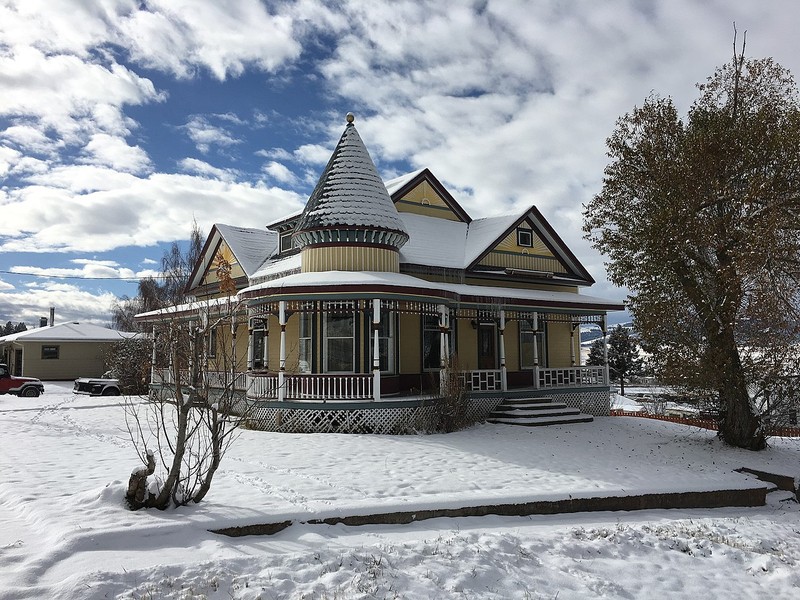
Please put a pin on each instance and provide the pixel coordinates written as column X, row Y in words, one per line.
column 592, row 402
column 393, row 420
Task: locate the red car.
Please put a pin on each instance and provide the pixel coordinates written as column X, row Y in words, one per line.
column 29, row 387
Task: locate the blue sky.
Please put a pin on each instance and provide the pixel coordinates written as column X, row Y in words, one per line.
column 123, row 120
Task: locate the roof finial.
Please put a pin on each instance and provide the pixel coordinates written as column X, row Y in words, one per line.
column 350, row 117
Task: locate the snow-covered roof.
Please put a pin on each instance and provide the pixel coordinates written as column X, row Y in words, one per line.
column 350, row 192
column 288, row 264
column 483, row 232
column 251, row 247
column 434, row 242
column 69, row 332
column 395, row 184
column 329, row 281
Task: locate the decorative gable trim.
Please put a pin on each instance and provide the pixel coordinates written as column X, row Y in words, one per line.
column 426, row 176
column 576, row 272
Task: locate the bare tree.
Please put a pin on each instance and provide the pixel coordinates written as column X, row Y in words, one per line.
column 196, row 409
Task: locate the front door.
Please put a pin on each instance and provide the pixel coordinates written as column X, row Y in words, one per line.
column 487, row 346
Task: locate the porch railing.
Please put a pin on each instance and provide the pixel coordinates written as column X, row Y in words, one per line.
column 571, row 377
column 214, row 379
column 311, row 387
column 482, row 380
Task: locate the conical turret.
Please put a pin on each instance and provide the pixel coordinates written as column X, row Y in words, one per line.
column 350, row 223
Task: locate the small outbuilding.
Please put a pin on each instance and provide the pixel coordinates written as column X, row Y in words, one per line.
column 59, row 352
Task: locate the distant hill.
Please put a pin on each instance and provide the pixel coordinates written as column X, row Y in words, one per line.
column 589, row 333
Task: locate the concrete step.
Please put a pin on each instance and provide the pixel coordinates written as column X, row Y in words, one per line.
column 534, row 412
column 542, row 421
column 503, row 408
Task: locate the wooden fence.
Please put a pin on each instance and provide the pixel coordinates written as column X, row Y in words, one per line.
column 704, row 423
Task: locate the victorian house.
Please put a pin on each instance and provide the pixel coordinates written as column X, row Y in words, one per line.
column 356, row 311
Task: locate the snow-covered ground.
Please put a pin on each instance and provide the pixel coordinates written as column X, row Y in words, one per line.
column 65, row 533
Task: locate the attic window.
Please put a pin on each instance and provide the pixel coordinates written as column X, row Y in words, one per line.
column 524, row 238
column 286, row 241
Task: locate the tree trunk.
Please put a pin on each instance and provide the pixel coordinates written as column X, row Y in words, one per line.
column 739, row 425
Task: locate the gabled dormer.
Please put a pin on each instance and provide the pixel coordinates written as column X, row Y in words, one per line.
column 421, row 193
column 524, row 248
column 285, row 229
column 229, row 258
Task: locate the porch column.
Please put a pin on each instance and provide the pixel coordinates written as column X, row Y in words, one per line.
column 444, row 348
column 376, row 351
column 153, row 358
column 572, row 343
column 536, row 350
column 503, row 371
column 250, row 345
column 603, row 329
column 266, row 342
column 282, row 358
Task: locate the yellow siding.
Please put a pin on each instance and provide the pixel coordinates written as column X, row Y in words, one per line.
column 349, row 258
column 223, row 355
column 467, row 348
column 509, row 243
column 558, row 345
column 511, row 336
column 75, row 359
column 527, row 262
column 223, row 253
column 408, row 331
column 423, row 200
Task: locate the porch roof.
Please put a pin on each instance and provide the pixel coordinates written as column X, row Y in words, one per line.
column 369, row 283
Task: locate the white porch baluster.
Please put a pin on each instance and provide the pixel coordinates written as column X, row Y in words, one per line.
column 282, row 359
column 503, row 371
column 376, row 353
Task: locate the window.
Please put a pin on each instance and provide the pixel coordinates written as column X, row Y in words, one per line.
column 50, row 352
column 524, row 238
column 286, row 241
column 339, row 342
column 385, row 342
column 260, row 348
column 527, row 338
column 431, row 342
column 304, row 363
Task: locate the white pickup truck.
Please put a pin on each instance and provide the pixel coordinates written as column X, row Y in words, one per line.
column 96, row 386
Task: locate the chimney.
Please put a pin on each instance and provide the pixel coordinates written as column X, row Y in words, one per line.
column 52, row 315
column 42, row 321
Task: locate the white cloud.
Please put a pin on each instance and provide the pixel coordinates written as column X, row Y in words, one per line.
column 204, row 134
column 199, row 167
column 68, row 95
column 280, row 173
column 129, row 211
column 4, row 285
column 114, row 152
column 183, row 35
column 314, row 154
column 70, row 301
